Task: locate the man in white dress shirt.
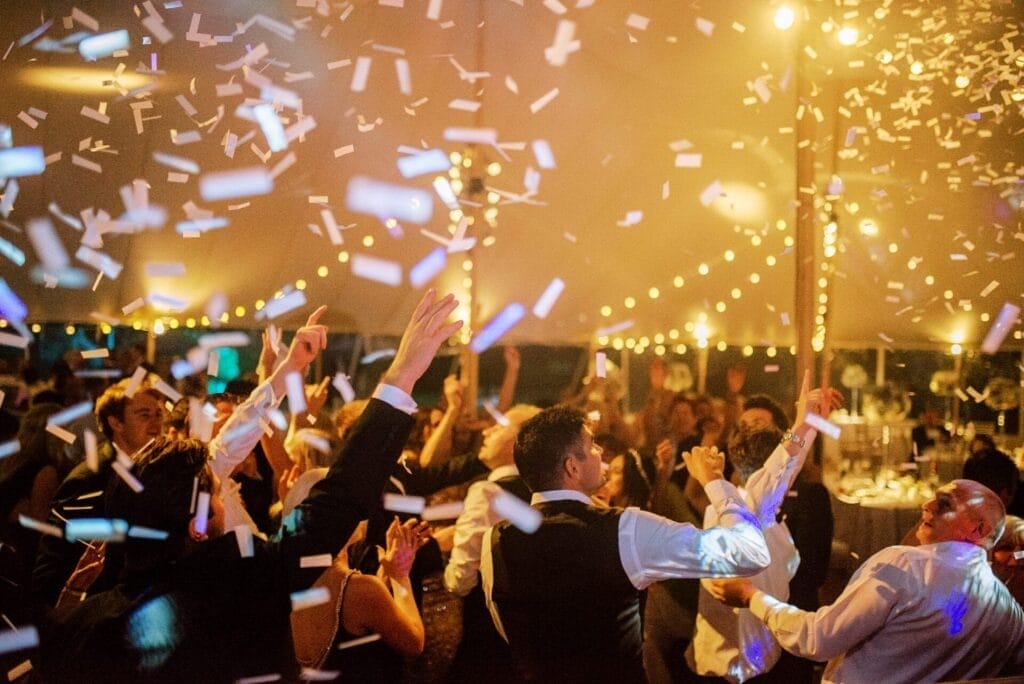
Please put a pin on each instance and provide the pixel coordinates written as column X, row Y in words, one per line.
column 911, row 614
column 566, row 596
column 482, row 652
column 730, row 642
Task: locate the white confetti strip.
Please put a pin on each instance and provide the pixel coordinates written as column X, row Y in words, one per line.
column 1004, row 322
column 16, row 162
column 388, row 201
column 129, row 479
column 277, row 307
column 224, row 185
column 377, row 270
column 516, row 511
column 399, row 503
column 38, row 526
column 547, row 300
column 344, row 388
column 95, row 529
column 428, row 268
column 368, row 639
column 322, row 560
column 429, row 161
column 822, row 425
column 71, row 413
column 443, row 511
column 18, row 639
column 104, row 45
column 314, row 596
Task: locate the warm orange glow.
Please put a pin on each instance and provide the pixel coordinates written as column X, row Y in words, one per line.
column 81, row 79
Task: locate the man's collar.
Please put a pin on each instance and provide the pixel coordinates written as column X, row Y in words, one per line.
column 503, row 471
column 560, row 495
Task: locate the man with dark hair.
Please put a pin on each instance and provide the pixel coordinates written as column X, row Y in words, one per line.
column 566, row 596
column 128, row 422
column 807, row 508
column 731, row 643
column 195, row 606
column 911, row 614
column 760, row 411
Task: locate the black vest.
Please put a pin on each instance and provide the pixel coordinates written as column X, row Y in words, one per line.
column 483, row 655
column 569, row 610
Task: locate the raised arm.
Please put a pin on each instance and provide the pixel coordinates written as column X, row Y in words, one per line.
column 397, row 619
column 352, row 487
column 439, row 445
column 242, row 430
column 655, row 548
column 768, row 485
column 507, row 393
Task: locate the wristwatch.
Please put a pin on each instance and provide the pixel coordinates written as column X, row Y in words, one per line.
column 791, row 436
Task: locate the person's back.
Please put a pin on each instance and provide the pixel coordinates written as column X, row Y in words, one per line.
column 571, row 616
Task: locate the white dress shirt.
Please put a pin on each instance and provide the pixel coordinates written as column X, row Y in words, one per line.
column 653, row 548
column 909, row 614
column 460, row 575
column 732, row 643
column 243, row 429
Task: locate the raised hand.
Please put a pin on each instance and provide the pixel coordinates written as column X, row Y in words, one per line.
column 426, row 331
column 453, row 390
column 307, row 343
column 664, row 452
column 403, row 540
column 268, row 354
column 316, row 396
column 735, row 378
column 705, row 464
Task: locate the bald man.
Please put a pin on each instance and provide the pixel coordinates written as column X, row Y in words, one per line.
column 911, row 614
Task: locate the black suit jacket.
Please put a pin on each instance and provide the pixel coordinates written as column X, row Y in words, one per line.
column 213, row 615
column 75, row 498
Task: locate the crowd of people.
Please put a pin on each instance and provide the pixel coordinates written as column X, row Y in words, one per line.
column 214, row 539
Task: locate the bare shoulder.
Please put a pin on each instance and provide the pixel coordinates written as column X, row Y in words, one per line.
column 365, row 595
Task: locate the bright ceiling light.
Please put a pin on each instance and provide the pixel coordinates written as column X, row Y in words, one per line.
column 784, row 17
column 868, row 227
column 847, row 35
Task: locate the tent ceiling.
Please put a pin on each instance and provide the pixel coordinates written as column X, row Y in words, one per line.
column 935, row 166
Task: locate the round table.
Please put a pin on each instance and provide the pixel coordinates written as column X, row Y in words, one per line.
column 868, row 524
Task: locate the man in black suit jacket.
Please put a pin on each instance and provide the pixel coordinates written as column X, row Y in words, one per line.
column 192, row 607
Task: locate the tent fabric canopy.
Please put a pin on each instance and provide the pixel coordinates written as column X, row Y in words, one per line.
column 670, row 207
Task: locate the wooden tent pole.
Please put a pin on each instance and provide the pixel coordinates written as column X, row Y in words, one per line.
column 804, row 252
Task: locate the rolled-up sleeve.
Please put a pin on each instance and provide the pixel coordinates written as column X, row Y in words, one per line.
column 652, row 548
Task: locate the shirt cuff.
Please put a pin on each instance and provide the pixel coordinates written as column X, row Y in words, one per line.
column 761, row 604
column 396, row 397
column 720, row 492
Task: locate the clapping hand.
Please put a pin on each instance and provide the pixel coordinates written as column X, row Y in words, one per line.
column 403, row 540
column 705, row 464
